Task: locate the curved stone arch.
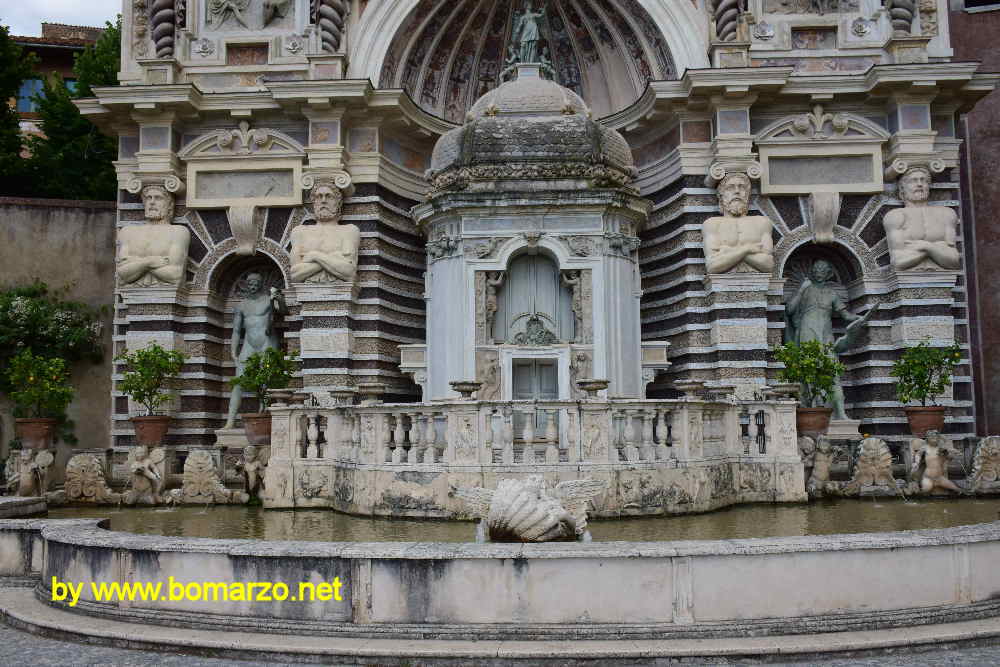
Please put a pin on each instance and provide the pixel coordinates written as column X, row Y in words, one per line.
column 211, row 270
column 683, row 26
column 517, row 245
column 255, row 142
column 863, row 258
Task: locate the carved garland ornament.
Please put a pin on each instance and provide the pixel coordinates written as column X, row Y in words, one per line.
column 600, row 176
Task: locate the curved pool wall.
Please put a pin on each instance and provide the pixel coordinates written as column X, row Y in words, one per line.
column 611, row 589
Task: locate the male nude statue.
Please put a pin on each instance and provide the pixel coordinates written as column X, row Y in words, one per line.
column 933, row 458
column 921, row 236
column 253, row 331
column 326, row 251
column 734, row 240
column 154, row 253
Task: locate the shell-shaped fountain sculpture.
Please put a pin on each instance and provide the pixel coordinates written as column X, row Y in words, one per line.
column 872, row 469
column 526, row 510
column 986, row 464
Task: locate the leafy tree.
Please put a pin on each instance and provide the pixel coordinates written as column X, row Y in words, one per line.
column 813, row 365
column 15, row 67
column 73, row 159
column 262, row 371
column 148, row 370
column 923, row 372
column 43, row 385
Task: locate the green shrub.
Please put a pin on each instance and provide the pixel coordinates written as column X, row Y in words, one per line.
column 148, row 370
column 814, row 366
column 263, row 371
column 923, row 372
column 40, row 385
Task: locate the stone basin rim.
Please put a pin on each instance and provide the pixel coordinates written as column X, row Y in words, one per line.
column 95, row 533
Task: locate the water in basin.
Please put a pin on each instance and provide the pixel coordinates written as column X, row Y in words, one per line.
column 818, row 518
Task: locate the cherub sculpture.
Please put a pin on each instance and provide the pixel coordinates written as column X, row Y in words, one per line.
column 147, row 476
column 31, row 478
column 930, row 463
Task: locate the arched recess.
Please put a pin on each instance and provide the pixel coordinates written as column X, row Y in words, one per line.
column 679, row 26
column 228, row 280
column 533, row 286
column 795, row 267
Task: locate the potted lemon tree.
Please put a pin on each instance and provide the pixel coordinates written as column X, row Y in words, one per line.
column 922, row 374
column 263, row 371
column 815, row 367
column 148, row 370
column 41, row 392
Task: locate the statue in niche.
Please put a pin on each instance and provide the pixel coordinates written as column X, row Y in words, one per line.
column 326, row 251
column 494, row 281
column 253, row 330
column 574, row 280
column 220, row 10
column 919, row 235
column 809, row 316
column 930, row 463
column 526, row 33
column 154, row 253
column 147, row 476
column 735, row 241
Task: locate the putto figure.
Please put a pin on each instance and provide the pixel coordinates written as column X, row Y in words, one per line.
column 735, row 241
column 930, row 463
column 253, row 330
column 326, row 251
column 154, row 253
column 921, row 236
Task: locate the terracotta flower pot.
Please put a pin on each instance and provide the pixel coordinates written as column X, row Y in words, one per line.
column 257, row 427
column 35, row 433
column 925, row 418
column 812, row 421
column 150, row 431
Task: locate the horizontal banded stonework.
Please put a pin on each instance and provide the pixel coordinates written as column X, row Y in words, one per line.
column 677, row 306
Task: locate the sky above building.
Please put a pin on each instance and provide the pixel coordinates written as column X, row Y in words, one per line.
column 25, row 17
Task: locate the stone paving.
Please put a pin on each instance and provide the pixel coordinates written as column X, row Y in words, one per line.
column 22, row 648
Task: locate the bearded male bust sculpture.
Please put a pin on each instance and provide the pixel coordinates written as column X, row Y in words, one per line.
column 735, row 241
column 154, row 253
column 921, row 236
column 326, row 251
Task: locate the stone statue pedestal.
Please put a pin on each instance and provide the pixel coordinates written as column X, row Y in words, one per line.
column 922, row 320
column 738, row 317
column 844, row 429
column 231, row 438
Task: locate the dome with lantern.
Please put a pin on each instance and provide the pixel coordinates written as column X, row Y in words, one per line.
column 530, row 129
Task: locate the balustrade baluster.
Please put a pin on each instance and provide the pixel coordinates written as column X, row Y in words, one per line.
column 648, row 453
column 384, row 454
column 312, row 433
column 430, row 439
column 355, row 437
column 662, row 435
column 416, row 437
column 301, row 422
column 398, row 439
column 630, row 436
column 332, row 435
column 345, row 436
column 552, row 436
column 572, row 446
column 507, row 436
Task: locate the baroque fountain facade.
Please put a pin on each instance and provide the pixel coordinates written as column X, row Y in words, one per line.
column 407, row 195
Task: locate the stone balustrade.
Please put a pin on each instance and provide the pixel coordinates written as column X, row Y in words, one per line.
column 536, row 432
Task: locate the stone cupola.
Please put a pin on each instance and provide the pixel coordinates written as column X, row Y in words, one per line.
column 530, row 129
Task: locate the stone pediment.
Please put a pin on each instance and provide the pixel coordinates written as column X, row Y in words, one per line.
column 821, row 126
column 242, row 142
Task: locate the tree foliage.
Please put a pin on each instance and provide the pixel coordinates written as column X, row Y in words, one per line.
column 265, row 370
column 15, row 67
column 814, row 366
column 149, row 369
column 74, row 160
column 36, row 319
column 923, row 372
column 41, row 385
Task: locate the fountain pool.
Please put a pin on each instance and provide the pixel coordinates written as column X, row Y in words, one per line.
column 746, row 521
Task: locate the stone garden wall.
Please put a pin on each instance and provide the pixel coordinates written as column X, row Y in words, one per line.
column 65, row 244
